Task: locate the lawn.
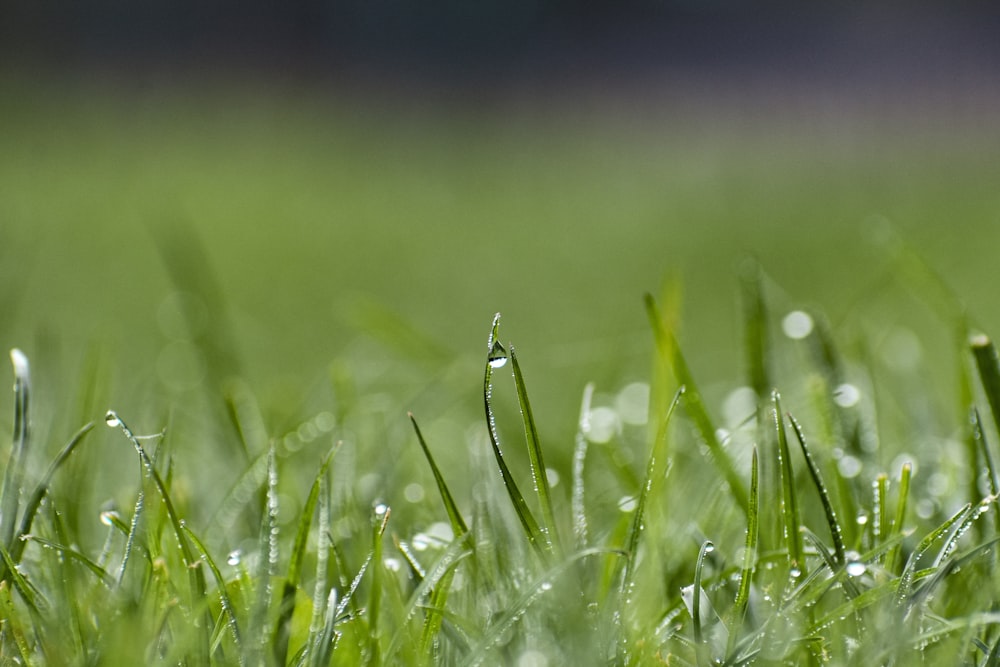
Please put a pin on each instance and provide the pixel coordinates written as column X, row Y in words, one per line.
column 261, row 277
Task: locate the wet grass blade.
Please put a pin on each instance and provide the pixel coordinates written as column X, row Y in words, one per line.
column 578, row 505
column 906, row 578
column 670, row 351
column 35, row 501
column 267, row 563
column 375, row 594
column 789, row 502
column 892, row 556
column 749, row 556
column 69, row 552
column 836, row 532
column 196, row 576
column 458, row 525
column 282, row 629
column 496, row 358
column 706, row 548
column 11, row 492
column 228, row 609
column 656, row 469
column 536, row 461
column 991, row 471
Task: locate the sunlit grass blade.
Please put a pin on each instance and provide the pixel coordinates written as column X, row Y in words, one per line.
column 749, row 556
column 668, row 348
column 536, row 461
column 789, row 501
column 228, row 608
column 282, row 629
column 578, row 504
column 532, row 592
column 906, row 578
column 196, row 576
column 496, row 358
column 11, row 493
column 35, row 500
column 656, row 469
column 836, row 533
column 458, row 525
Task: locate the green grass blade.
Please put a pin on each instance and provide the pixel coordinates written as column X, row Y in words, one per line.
column 35, row 501
column 755, row 328
column 196, row 576
column 14, row 471
column 892, row 556
column 228, row 608
column 670, row 351
column 458, row 525
column 988, row 365
column 267, row 566
column 831, row 562
column 906, row 578
column 749, row 556
column 282, row 629
column 789, row 501
column 496, row 358
column 991, row 471
column 323, row 549
column 101, row 573
column 31, row 595
column 836, row 533
column 375, row 594
column 549, row 527
column 578, row 504
column 706, row 548
column 656, row 469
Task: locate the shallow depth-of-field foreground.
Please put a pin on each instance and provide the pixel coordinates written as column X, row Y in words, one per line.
column 836, row 506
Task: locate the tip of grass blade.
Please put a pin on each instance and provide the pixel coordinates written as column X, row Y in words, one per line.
column 19, row 360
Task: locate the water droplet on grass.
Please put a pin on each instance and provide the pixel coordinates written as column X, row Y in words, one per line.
column 234, row 557
column 627, row 504
column 846, row 395
column 856, row 568
column 108, row 517
column 498, row 355
column 552, row 476
column 111, row 419
column 797, row 324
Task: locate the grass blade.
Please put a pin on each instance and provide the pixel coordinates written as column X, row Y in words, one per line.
column 11, row 493
column 375, row 594
column 578, row 505
column 537, row 463
column 706, row 548
column 988, row 365
column 824, row 496
column 892, row 556
column 101, row 573
column 497, row 358
column 906, row 578
column 267, row 565
column 749, row 556
column 282, row 629
column 228, row 609
column 991, row 471
column 668, row 348
column 458, row 525
column 35, row 501
column 789, row 502
column 755, row 329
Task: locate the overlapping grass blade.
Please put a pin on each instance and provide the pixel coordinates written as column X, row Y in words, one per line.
column 836, row 533
column 670, row 353
column 196, row 576
column 906, row 578
column 458, row 525
column 35, row 500
column 789, row 500
column 228, row 608
column 282, row 629
column 536, row 461
column 496, row 358
column 73, row 554
column 267, row 566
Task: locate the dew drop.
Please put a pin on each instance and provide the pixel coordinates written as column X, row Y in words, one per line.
column 420, row 542
column 381, row 509
column 111, row 419
column 856, row 568
column 108, row 517
column 546, row 586
column 498, row 355
column 552, row 476
column 846, row 395
column 795, row 573
column 234, row 557
column 797, row 324
column 392, row 564
column 627, row 504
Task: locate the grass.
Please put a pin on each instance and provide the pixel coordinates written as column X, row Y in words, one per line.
column 728, row 547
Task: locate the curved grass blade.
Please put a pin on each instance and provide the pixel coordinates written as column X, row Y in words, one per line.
column 532, row 593
column 228, row 609
column 906, row 578
column 836, row 533
column 31, row 595
column 196, row 576
column 670, row 351
column 831, row 562
column 35, row 501
column 578, row 505
column 458, row 525
column 789, row 502
column 749, row 556
column 892, row 556
column 536, row 461
column 496, row 358
column 101, row 573
column 656, row 468
column 706, row 548
column 282, row 629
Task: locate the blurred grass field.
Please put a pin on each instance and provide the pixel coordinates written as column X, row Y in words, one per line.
column 334, row 257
